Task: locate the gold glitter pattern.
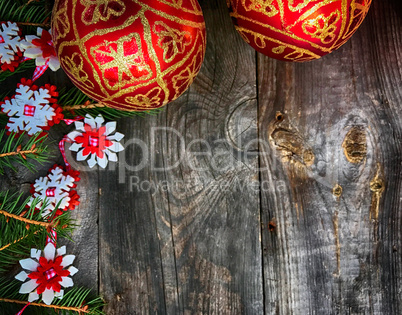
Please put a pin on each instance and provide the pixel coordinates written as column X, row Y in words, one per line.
column 322, row 27
column 183, row 80
column 61, row 22
column 151, row 99
column 131, row 54
column 126, row 56
column 96, row 10
column 296, row 5
column 297, row 30
column 171, row 40
column 74, row 66
column 263, row 6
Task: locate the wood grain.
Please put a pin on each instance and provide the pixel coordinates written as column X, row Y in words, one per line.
column 332, row 253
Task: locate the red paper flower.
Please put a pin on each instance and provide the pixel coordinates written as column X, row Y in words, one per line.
column 96, row 140
column 41, row 49
column 47, row 273
column 45, row 44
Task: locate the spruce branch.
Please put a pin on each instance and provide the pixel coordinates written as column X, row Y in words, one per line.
column 74, row 103
column 27, row 222
column 15, row 150
column 77, row 301
column 22, row 228
column 29, row 13
column 28, row 64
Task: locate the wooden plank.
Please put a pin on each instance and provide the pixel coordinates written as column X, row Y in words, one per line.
column 213, row 210
column 131, row 278
column 190, row 245
column 331, row 143
column 187, row 239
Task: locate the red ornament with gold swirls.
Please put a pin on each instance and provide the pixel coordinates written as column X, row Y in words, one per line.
column 297, row 30
column 130, row 54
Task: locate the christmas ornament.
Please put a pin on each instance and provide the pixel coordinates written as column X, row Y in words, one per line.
column 47, row 273
column 130, row 54
column 55, row 189
column 32, row 109
column 93, row 138
column 10, row 46
column 297, row 30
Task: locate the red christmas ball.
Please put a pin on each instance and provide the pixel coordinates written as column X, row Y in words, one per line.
column 297, row 30
column 130, row 54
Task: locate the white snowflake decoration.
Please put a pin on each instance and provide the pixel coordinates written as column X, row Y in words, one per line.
column 53, row 190
column 41, row 49
column 95, row 140
column 47, row 273
column 29, row 111
column 10, row 42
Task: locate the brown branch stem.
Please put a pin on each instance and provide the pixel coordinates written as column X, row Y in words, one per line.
column 22, row 153
column 81, row 106
column 56, row 307
column 28, row 221
column 33, row 24
column 16, row 241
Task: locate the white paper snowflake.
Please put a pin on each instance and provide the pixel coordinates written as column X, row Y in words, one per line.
column 41, row 49
column 29, row 110
column 53, row 190
column 10, row 42
column 96, row 140
column 47, row 273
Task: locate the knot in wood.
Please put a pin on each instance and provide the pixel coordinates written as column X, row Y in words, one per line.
column 355, row 144
column 337, row 190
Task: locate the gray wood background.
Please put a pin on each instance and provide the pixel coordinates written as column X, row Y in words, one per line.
column 267, row 188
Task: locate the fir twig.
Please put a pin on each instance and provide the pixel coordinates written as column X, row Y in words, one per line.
column 74, row 103
column 28, row 64
column 75, row 301
column 14, row 150
column 16, row 241
column 56, row 307
column 28, row 12
column 25, row 220
column 17, row 220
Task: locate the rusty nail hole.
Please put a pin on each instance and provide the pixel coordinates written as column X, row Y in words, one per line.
column 376, row 186
column 279, row 116
column 271, row 225
column 337, row 190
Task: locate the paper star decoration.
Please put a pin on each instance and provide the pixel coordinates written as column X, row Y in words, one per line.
column 41, row 48
column 31, row 109
column 10, row 46
column 55, row 189
column 95, row 140
column 47, row 273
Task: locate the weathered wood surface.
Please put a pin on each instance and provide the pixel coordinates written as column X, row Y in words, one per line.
column 285, row 195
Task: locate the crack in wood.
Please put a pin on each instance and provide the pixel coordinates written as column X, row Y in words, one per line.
column 377, row 186
column 335, row 221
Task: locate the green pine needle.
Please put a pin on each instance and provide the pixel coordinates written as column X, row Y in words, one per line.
column 36, row 12
column 17, row 236
column 75, row 97
column 13, row 144
column 29, row 64
column 76, row 298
